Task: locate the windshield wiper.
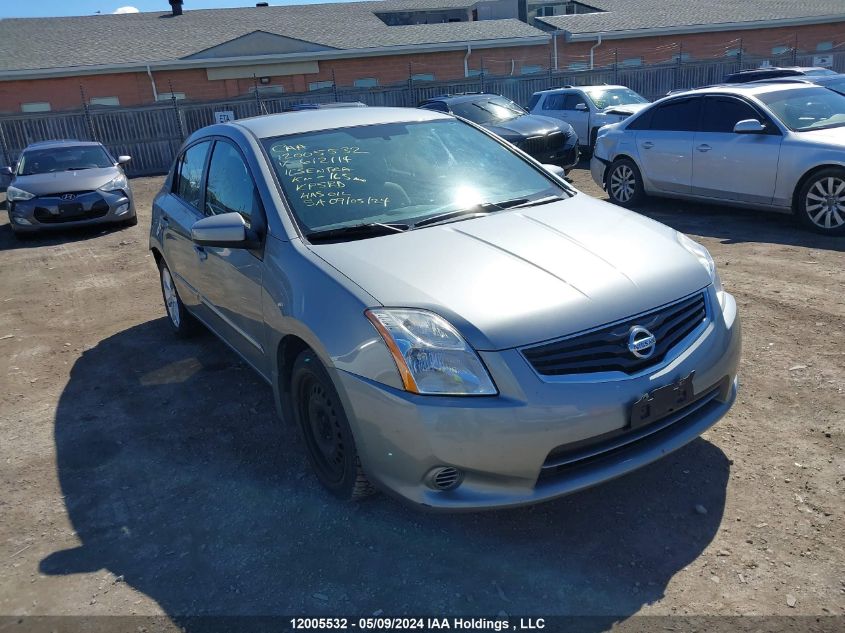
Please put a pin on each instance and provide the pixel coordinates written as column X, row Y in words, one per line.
column 80, row 168
column 355, row 232
column 538, row 202
column 476, row 209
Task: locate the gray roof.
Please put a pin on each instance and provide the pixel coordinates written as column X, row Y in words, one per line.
column 619, row 16
column 109, row 40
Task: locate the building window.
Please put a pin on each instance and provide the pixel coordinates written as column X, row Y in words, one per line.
column 473, row 73
column 267, row 91
column 423, row 77
column 631, row 62
column 579, row 66
column 530, row 70
column 780, row 50
column 35, row 106
column 105, row 101
column 824, row 46
column 169, row 96
column 734, row 52
column 320, row 85
column 544, row 12
column 366, row 82
column 683, row 57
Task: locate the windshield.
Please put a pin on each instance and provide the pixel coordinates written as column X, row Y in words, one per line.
column 606, row 97
column 816, row 72
column 43, row 161
column 398, row 173
column 838, row 85
column 488, row 110
column 807, row 109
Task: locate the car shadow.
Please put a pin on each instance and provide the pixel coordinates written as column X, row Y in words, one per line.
column 177, row 477
column 54, row 237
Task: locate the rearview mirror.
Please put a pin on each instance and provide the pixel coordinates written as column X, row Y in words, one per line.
column 749, row 126
column 122, row 160
column 6, row 171
column 555, row 170
column 227, row 230
column 581, row 106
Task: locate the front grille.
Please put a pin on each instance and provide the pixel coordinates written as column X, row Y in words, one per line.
column 606, row 348
column 72, row 212
column 542, row 144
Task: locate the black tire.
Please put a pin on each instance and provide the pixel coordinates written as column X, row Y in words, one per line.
column 133, row 221
column 623, row 183
column 820, row 203
column 325, row 429
column 182, row 323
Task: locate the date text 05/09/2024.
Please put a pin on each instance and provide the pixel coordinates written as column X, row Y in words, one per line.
column 417, row 624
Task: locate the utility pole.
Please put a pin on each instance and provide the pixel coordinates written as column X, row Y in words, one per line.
column 795, row 51
column 87, row 112
column 334, row 86
column 179, row 121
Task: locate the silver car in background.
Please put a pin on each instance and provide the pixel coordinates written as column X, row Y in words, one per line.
column 776, row 145
column 64, row 184
column 441, row 316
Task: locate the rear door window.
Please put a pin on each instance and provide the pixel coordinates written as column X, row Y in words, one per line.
column 188, row 181
column 677, row 116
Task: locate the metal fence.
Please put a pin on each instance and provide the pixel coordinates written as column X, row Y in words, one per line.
column 152, row 134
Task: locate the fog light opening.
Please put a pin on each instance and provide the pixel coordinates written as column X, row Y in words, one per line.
column 21, row 221
column 122, row 209
column 444, row 478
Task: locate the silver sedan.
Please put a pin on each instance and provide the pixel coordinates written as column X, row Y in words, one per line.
column 441, row 316
column 776, row 145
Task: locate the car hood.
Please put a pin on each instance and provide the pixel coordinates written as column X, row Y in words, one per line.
column 831, row 136
column 66, row 181
column 528, row 125
column 627, row 109
column 526, row 275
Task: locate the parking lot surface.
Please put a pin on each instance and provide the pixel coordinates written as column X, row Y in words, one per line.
column 145, row 475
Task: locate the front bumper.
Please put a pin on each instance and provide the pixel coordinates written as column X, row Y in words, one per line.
column 567, row 155
column 597, row 170
column 509, row 446
column 85, row 208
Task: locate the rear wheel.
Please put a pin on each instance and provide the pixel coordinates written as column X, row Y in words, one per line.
column 623, row 183
column 326, row 431
column 181, row 321
column 820, row 204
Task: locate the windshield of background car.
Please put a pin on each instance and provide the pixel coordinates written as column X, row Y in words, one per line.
column 43, row 161
column 838, row 85
column 488, row 110
column 398, row 173
column 807, row 109
column 604, row 98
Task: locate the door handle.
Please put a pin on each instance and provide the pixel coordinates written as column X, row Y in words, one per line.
column 648, row 145
column 200, row 251
column 704, row 148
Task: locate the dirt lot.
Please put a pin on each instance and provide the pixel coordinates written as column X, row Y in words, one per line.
column 141, row 475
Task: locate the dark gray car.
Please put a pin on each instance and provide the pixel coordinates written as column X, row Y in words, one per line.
column 60, row 184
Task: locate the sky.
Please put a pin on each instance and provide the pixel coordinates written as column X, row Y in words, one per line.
column 49, row 8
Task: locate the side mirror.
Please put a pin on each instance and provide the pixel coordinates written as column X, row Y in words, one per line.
column 6, row 171
column 749, row 126
column 581, row 106
column 555, row 170
column 227, row 230
column 122, row 160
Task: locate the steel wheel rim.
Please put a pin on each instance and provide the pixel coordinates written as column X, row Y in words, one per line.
column 825, row 202
column 171, row 299
column 323, row 433
column 622, row 183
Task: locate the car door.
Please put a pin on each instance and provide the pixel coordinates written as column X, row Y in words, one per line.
column 731, row 166
column 178, row 210
column 576, row 112
column 230, row 286
column 664, row 140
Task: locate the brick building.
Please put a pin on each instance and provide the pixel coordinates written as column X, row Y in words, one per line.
column 51, row 64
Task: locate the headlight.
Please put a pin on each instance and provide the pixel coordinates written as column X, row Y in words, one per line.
column 13, row 194
column 706, row 260
column 432, row 357
column 118, row 183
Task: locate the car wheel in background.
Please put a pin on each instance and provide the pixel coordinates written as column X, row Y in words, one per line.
column 623, row 183
column 328, row 437
column 820, row 204
column 181, row 321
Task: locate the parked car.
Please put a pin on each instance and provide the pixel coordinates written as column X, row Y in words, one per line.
column 441, row 317
column 835, row 81
column 587, row 108
column 548, row 140
column 329, row 105
column 778, row 146
column 774, row 72
column 61, row 184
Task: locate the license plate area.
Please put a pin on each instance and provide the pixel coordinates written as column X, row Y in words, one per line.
column 661, row 402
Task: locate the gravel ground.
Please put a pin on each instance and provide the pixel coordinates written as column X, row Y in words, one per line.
column 145, row 475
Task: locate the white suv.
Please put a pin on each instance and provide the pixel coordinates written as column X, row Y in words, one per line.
column 587, row 108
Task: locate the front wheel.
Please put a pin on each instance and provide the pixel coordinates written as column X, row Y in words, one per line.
column 820, row 204
column 181, row 321
column 624, row 184
column 319, row 414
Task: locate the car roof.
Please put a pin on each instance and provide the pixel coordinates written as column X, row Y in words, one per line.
column 751, row 88
column 272, row 125
column 60, row 143
column 564, row 88
column 463, row 97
